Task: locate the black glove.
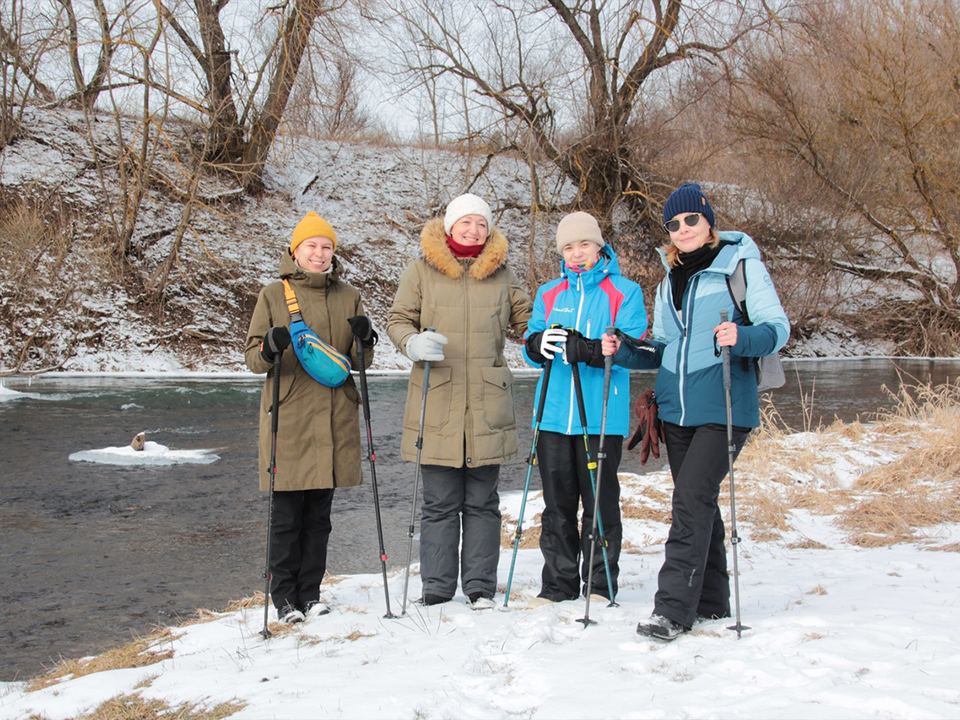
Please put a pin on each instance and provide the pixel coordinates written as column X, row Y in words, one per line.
column 363, row 330
column 275, row 342
column 532, row 346
column 581, row 349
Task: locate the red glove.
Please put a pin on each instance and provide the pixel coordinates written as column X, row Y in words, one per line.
column 649, row 431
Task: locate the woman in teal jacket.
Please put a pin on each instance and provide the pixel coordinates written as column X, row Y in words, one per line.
column 589, row 295
column 686, row 347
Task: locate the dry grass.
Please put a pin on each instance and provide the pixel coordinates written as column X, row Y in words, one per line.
column 134, row 707
column 633, row 510
column 30, row 233
column 908, row 460
column 807, row 544
column 887, row 519
column 139, row 653
column 951, row 547
column 530, row 538
column 247, row 603
column 921, row 488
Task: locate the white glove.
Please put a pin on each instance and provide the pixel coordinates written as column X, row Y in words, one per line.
column 428, row 345
column 551, row 341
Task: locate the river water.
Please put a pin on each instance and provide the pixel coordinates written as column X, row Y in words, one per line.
column 92, row 555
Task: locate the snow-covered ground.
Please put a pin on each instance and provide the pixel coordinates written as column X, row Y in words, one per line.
column 835, row 631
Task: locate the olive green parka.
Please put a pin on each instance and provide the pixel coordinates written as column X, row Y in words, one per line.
column 318, row 438
column 469, row 419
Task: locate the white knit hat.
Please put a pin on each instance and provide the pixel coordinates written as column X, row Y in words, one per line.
column 576, row 227
column 467, row 204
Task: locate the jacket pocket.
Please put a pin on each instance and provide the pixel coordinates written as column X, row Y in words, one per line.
column 497, row 397
column 439, row 397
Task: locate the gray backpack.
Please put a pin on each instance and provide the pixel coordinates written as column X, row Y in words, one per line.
column 769, row 369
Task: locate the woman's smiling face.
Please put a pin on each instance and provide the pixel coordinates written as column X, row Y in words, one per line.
column 470, row 230
column 688, row 238
column 314, row 254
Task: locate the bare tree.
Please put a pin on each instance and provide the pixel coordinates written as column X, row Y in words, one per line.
column 573, row 75
column 864, row 101
column 243, row 119
column 87, row 92
column 21, row 53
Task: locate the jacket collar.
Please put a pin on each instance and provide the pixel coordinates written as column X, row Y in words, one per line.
column 437, row 254
column 607, row 264
column 735, row 246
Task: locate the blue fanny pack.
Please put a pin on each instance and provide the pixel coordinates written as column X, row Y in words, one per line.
column 323, row 362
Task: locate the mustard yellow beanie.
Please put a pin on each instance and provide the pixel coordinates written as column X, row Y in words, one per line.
column 312, row 225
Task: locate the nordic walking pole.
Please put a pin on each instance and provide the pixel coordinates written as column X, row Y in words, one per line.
column 372, row 455
column 575, row 368
column 531, row 461
column 607, row 371
column 274, row 425
column 416, row 481
column 731, row 451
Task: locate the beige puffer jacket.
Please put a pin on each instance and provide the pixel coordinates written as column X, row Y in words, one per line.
column 470, row 414
column 318, row 439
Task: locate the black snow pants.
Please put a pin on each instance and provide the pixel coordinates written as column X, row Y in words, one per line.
column 693, row 580
column 298, row 545
column 456, row 499
column 564, row 542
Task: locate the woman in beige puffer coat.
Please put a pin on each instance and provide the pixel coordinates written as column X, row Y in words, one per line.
column 461, row 287
column 318, row 434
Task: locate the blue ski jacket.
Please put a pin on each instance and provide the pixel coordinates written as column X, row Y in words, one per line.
column 689, row 385
column 589, row 302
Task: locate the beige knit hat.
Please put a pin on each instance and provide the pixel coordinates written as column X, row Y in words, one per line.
column 576, row 227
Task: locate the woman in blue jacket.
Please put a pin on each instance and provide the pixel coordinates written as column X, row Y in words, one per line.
column 589, row 295
column 687, row 336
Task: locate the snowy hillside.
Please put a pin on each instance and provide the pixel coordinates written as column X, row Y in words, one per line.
column 69, row 303
column 87, row 312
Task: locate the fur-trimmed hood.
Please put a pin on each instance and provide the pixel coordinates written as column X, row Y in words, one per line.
column 434, row 248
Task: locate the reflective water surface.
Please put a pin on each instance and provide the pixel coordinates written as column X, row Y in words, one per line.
column 94, row 554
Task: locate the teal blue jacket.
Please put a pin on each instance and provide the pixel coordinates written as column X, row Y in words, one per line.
column 689, row 385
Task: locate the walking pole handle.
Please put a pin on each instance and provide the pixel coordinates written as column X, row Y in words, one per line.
column 725, row 352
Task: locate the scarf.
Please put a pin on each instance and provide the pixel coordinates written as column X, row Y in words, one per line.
column 693, row 262
column 464, row 251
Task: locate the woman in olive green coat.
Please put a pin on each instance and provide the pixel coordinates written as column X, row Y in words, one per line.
column 461, row 287
column 318, row 434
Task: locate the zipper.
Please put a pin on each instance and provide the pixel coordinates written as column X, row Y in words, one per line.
column 573, row 387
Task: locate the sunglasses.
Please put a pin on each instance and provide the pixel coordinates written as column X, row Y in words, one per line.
column 691, row 220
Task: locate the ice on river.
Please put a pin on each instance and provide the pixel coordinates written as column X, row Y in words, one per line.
column 8, row 394
column 152, row 454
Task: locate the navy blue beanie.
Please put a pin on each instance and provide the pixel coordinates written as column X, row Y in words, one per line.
column 688, row 198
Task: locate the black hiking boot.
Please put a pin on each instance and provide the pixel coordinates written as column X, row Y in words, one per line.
column 480, row 601
column 661, row 628
column 429, row 599
column 288, row 614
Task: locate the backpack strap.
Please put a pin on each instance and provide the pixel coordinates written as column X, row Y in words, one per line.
column 292, row 305
column 737, row 286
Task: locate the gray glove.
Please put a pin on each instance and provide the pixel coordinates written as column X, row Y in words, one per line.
column 428, row 345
